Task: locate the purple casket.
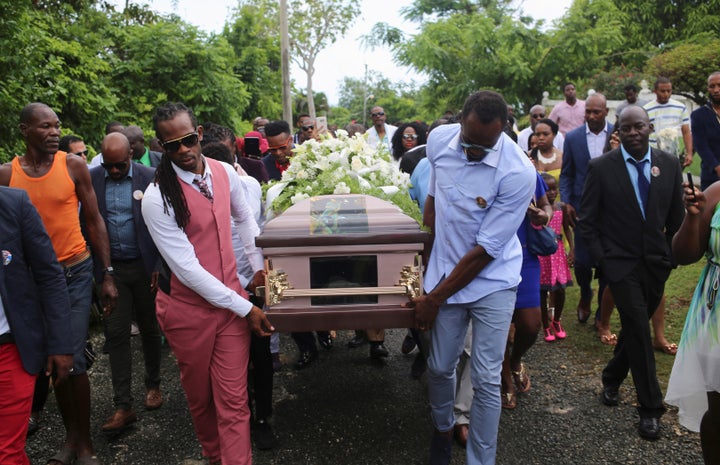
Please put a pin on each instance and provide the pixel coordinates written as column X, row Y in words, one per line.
column 341, row 262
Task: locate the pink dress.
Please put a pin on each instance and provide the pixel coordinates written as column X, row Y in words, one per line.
column 554, row 270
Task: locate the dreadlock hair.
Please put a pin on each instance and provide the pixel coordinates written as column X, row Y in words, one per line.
column 216, row 133
column 165, row 177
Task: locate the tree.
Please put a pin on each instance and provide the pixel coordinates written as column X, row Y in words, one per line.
column 253, row 33
column 173, row 61
column 688, row 67
column 315, row 24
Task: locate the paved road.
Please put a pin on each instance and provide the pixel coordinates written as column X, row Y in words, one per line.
column 346, row 409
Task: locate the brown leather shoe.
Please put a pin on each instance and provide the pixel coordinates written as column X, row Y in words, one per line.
column 461, row 434
column 153, row 399
column 120, row 419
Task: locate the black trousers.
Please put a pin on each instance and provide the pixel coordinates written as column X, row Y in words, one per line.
column 260, row 378
column 636, row 297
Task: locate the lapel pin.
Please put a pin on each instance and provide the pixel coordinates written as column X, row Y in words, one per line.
column 655, row 171
column 482, row 203
column 7, row 257
column 138, row 195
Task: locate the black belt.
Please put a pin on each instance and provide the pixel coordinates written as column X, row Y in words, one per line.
column 6, row 338
column 126, row 260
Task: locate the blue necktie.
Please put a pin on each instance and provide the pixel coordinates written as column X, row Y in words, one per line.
column 643, row 183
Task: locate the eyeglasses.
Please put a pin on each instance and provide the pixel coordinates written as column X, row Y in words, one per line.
column 538, row 115
column 410, row 136
column 173, row 145
column 474, row 152
column 83, row 153
column 379, row 113
column 120, row 166
column 280, row 147
column 307, row 128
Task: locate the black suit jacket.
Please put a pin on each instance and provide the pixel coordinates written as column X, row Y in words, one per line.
column 32, row 284
column 155, row 158
column 142, row 176
column 611, row 221
column 273, row 172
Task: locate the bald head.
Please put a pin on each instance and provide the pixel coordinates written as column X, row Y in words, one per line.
column 595, row 112
column 136, row 137
column 117, row 155
column 537, row 112
column 634, row 130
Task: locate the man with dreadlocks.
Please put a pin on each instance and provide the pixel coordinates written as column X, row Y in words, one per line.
column 201, row 305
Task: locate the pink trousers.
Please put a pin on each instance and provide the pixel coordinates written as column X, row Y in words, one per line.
column 212, row 348
column 16, row 386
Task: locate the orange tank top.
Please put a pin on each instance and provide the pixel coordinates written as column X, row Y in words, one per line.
column 53, row 194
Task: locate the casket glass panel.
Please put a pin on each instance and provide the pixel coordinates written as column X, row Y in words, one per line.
column 345, row 271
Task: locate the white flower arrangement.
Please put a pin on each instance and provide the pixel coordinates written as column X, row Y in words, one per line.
column 342, row 165
column 668, row 140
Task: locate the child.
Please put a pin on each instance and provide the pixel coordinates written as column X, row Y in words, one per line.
column 554, row 270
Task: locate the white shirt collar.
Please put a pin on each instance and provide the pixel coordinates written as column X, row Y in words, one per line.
column 188, row 177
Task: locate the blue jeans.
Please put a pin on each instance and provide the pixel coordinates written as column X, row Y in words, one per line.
column 491, row 318
column 79, row 279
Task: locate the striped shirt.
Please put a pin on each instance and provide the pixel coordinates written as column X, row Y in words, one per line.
column 670, row 115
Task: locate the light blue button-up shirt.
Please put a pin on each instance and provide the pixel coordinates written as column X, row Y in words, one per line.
column 120, row 221
column 477, row 203
column 633, row 172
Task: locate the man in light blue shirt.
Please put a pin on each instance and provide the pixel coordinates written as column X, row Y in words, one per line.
column 481, row 184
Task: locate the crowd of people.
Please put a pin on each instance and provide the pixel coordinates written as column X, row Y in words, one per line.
column 164, row 236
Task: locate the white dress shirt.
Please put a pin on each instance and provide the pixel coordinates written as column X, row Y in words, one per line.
column 178, row 251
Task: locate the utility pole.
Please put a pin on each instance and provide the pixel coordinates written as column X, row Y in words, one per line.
column 285, row 63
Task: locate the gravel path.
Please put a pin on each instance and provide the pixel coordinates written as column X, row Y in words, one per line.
column 347, row 409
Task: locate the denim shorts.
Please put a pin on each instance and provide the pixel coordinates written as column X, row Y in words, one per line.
column 79, row 279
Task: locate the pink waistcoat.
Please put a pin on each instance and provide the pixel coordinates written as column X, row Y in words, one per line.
column 208, row 230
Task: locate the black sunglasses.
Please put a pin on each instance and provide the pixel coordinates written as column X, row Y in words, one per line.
column 410, row 136
column 307, row 128
column 379, row 113
column 121, row 165
column 173, row 145
column 538, row 115
column 83, row 153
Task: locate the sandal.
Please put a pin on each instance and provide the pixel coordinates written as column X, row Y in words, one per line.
column 522, row 380
column 558, row 329
column 549, row 336
column 609, row 339
column 65, row 456
column 669, row 349
column 509, row 400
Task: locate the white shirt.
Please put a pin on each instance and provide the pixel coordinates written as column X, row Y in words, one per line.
column 373, row 139
column 596, row 142
column 178, row 251
column 4, row 325
column 253, row 194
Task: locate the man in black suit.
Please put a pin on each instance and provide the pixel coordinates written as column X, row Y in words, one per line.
column 34, row 317
column 631, row 208
column 119, row 185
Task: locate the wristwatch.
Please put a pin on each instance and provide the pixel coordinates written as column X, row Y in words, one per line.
column 109, row 270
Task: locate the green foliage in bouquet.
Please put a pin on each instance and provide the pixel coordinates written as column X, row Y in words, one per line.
column 342, row 165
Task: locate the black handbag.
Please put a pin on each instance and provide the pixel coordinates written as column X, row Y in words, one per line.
column 541, row 241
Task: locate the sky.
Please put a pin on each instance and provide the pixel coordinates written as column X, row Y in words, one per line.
column 346, row 57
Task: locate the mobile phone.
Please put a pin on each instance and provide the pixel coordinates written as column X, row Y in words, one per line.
column 690, row 183
column 252, row 147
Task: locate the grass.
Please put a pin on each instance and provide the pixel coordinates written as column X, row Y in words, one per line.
column 678, row 292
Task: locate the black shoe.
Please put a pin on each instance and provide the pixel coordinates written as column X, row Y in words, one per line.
column 357, row 341
column 408, row 344
column 264, row 436
column 441, row 448
column 378, row 350
column 325, row 340
column 33, row 425
column 610, row 396
column 418, row 367
column 649, row 428
column 306, row 358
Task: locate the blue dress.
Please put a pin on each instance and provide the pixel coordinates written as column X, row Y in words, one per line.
column 697, row 364
column 528, row 292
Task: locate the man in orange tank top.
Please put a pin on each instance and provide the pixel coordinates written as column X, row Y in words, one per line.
column 57, row 185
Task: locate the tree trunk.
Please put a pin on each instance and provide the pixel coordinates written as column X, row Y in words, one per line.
column 310, row 100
